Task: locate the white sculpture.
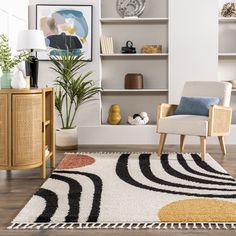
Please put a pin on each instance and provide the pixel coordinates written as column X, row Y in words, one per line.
column 18, row 81
column 138, row 119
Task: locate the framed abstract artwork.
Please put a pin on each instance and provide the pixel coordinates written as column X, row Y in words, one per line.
column 65, row 26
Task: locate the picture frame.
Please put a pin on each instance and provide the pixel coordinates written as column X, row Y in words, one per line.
column 66, row 26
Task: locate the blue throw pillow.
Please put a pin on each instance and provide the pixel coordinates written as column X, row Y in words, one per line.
column 196, row 105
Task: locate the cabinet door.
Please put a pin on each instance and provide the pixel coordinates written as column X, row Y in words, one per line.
column 27, row 129
column 4, row 158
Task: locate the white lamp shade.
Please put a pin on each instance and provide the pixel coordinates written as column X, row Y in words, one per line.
column 31, row 40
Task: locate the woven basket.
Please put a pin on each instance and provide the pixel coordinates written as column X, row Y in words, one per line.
column 151, row 49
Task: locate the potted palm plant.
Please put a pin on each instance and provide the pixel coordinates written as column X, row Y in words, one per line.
column 9, row 61
column 74, row 89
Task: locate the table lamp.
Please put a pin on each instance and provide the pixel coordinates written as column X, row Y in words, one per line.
column 31, row 40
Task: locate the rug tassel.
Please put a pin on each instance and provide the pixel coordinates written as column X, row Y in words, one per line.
column 150, row 226
column 158, row 226
column 224, row 226
column 114, row 226
column 194, row 225
column 17, row 226
column 130, row 226
column 62, row 226
column 180, row 226
column 217, row 226
column 53, row 226
column 165, row 226
column 71, row 226
column 79, row 227
column 210, row 226
column 203, row 226
column 121, row 226
column 11, row 226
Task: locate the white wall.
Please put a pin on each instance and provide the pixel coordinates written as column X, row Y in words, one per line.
column 193, row 43
column 13, row 17
column 90, row 114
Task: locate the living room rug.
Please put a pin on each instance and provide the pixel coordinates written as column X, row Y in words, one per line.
column 133, row 191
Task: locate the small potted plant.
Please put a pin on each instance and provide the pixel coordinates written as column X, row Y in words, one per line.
column 74, row 89
column 9, row 61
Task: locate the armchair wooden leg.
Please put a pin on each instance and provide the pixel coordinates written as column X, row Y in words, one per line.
column 161, row 143
column 222, row 144
column 182, row 142
column 203, row 147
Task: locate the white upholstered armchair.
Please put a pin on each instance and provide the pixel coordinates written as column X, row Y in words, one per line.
column 217, row 123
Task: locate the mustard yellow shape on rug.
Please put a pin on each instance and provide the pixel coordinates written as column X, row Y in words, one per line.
column 198, row 210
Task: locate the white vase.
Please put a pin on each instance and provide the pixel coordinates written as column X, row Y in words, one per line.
column 18, row 81
column 67, row 139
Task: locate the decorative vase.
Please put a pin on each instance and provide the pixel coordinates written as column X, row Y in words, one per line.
column 18, row 81
column 114, row 117
column 6, row 79
column 67, row 139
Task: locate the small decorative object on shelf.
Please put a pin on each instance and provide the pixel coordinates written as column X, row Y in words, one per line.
column 130, row 8
column 128, row 48
column 151, row 49
column 229, row 10
column 114, row 117
column 107, row 45
column 134, row 81
column 138, row 119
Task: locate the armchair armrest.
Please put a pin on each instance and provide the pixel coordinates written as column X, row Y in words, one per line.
column 219, row 120
column 165, row 109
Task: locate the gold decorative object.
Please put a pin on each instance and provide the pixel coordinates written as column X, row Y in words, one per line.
column 229, row 10
column 151, row 49
column 114, row 117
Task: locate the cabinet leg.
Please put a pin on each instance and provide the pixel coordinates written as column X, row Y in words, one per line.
column 203, row 147
column 43, row 170
column 182, row 142
column 53, row 162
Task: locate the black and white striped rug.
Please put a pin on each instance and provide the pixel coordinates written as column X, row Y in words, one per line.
column 133, row 191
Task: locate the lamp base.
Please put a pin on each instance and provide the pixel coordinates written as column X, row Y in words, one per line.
column 32, row 69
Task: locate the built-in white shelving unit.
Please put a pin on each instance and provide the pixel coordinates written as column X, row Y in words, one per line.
column 135, row 55
column 150, row 28
column 227, row 54
column 133, row 20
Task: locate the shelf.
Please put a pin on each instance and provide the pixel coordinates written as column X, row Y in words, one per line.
column 133, row 20
column 133, row 91
column 233, row 90
column 47, row 123
column 131, row 126
column 227, row 19
column 135, row 55
column 227, row 54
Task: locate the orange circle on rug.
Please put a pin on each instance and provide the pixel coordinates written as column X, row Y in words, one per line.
column 75, row 161
column 198, row 210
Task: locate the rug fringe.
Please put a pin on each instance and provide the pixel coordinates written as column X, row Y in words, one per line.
column 87, row 153
column 128, row 226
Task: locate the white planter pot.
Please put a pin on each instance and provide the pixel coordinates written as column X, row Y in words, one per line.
column 67, row 139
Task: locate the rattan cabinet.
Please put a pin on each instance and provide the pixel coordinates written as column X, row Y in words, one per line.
column 27, row 129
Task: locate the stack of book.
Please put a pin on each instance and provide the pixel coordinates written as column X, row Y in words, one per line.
column 107, row 45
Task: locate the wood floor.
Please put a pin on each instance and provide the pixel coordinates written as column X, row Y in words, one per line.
column 17, row 187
